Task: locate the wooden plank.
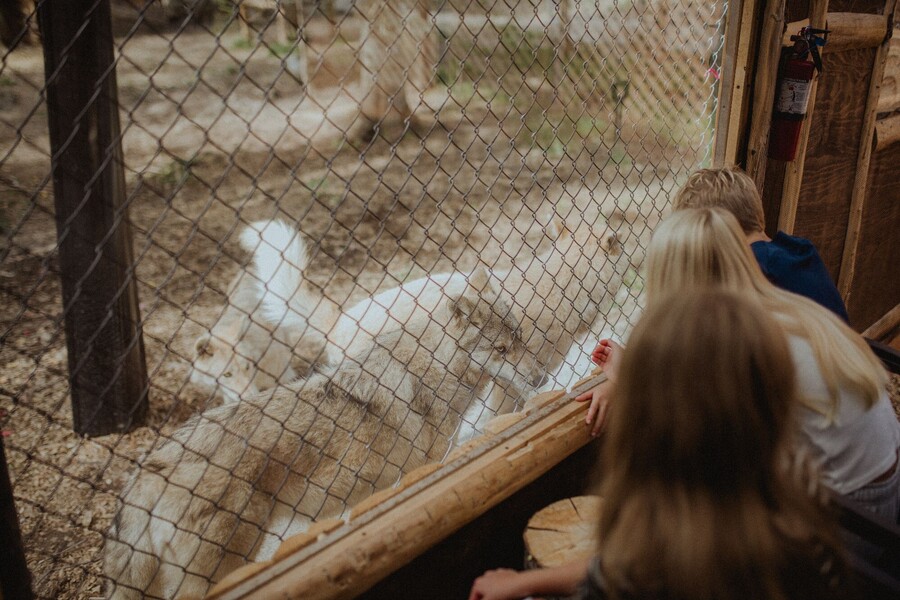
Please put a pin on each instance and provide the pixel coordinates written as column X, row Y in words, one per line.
column 833, row 153
column 876, row 286
column 793, row 177
column 383, row 539
column 740, row 33
column 887, row 132
column 860, row 184
column 847, row 31
column 883, row 326
column 764, row 90
column 107, row 372
column 889, row 101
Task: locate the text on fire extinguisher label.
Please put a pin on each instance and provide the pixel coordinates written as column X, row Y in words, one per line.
column 793, row 96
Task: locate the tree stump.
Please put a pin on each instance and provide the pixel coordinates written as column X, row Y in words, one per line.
column 562, row 532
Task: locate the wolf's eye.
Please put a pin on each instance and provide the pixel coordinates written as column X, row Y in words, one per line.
column 501, row 349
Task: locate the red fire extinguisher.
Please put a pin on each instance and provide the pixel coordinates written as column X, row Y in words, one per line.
column 792, row 99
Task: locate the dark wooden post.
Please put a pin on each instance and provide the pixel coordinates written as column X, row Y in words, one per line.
column 15, row 579
column 107, row 373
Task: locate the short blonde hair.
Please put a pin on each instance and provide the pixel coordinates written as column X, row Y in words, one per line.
column 729, row 188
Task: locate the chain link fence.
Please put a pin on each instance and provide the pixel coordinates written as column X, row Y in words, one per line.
column 346, row 235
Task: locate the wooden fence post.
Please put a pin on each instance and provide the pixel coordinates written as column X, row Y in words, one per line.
column 107, row 373
column 15, row 579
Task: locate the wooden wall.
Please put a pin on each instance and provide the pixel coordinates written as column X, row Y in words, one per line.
column 875, row 286
column 848, row 201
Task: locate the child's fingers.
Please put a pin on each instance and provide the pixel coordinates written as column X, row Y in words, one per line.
column 600, row 355
column 585, row 396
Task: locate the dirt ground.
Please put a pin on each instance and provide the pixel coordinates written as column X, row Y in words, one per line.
column 215, row 135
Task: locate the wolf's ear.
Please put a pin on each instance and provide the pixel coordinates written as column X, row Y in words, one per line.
column 201, row 346
column 610, row 243
column 462, row 308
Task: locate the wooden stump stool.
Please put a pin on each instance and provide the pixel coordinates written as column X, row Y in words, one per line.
column 562, row 532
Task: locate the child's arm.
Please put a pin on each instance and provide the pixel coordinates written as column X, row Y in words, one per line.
column 507, row 584
column 596, row 415
column 608, row 355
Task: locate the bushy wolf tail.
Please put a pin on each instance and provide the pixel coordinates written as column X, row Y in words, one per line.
column 280, row 259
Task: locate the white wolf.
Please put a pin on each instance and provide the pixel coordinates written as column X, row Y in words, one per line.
column 557, row 295
column 204, row 501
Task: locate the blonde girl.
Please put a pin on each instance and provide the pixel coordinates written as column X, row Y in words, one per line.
column 844, row 414
column 699, row 502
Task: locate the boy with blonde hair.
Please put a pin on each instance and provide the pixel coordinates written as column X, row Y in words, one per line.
column 790, row 262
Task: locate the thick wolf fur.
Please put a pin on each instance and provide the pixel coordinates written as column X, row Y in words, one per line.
column 247, row 350
column 556, row 296
column 288, row 300
column 202, row 502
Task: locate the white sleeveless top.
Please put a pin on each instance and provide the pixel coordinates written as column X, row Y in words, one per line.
column 857, row 445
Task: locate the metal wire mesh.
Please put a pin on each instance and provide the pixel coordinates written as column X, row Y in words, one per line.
column 473, row 183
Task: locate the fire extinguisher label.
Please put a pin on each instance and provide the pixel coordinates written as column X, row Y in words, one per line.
column 793, row 96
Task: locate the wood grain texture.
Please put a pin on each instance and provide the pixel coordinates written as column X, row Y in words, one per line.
column 107, row 370
column 884, row 326
column 832, row 156
column 563, row 532
column 869, row 7
column 362, row 552
column 793, row 174
column 876, row 286
column 858, row 198
column 887, row 132
column 764, row 90
column 889, row 100
column 847, row 31
column 741, row 34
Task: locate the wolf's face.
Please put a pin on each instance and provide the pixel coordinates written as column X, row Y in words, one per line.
column 234, row 365
column 491, row 337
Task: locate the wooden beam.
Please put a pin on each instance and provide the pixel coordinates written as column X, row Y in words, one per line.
column 107, row 372
column 889, row 100
column 847, row 31
column 887, row 132
column 860, row 185
column 793, row 175
column 883, row 326
column 764, row 90
column 382, row 539
column 740, row 31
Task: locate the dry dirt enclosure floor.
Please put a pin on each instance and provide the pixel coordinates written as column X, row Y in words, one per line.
column 216, row 135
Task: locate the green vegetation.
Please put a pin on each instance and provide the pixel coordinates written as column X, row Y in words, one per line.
column 242, row 43
column 175, row 174
column 322, row 192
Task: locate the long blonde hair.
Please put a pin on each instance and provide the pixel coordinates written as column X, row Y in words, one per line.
column 698, row 502
column 703, row 246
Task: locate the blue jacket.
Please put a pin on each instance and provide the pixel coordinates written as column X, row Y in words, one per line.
column 793, row 264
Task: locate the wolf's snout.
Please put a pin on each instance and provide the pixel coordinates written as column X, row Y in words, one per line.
column 539, row 380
